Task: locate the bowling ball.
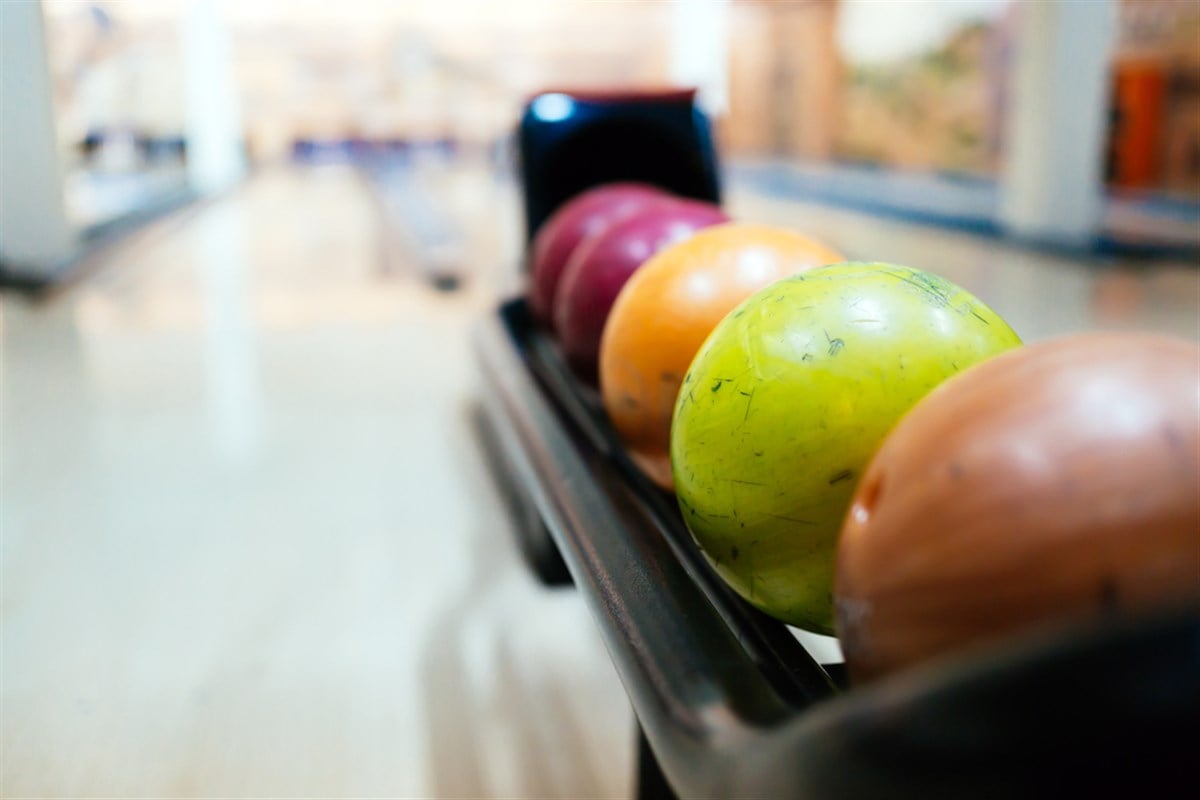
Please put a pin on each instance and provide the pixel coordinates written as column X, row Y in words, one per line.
column 787, row 401
column 601, row 265
column 1056, row 484
column 583, row 215
column 666, row 311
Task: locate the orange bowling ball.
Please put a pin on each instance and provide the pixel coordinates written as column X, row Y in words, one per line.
column 666, row 311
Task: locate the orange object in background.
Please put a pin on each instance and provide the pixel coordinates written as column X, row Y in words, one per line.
column 1140, row 99
column 666, row 311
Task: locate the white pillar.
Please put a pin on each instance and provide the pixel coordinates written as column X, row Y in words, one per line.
column 35, row 235
column 1052, row 180
column 700, row 51
column 215, row 153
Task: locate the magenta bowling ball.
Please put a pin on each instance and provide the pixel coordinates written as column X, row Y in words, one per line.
column 603, row 263
column 580, row 217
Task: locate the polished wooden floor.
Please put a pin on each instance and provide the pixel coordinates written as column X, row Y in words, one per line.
column 250, row 548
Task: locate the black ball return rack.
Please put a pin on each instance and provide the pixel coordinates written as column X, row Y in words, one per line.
column 729, row 703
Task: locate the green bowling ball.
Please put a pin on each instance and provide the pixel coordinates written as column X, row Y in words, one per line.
column 786, row 402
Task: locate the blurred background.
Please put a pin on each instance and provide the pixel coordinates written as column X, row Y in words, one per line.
column 249, row 547
column 905, row 107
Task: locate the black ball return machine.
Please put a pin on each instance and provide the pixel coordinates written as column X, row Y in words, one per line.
column 729, row 702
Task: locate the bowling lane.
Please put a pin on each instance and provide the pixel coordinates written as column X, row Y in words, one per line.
column 249, row 548
column 248, row 545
